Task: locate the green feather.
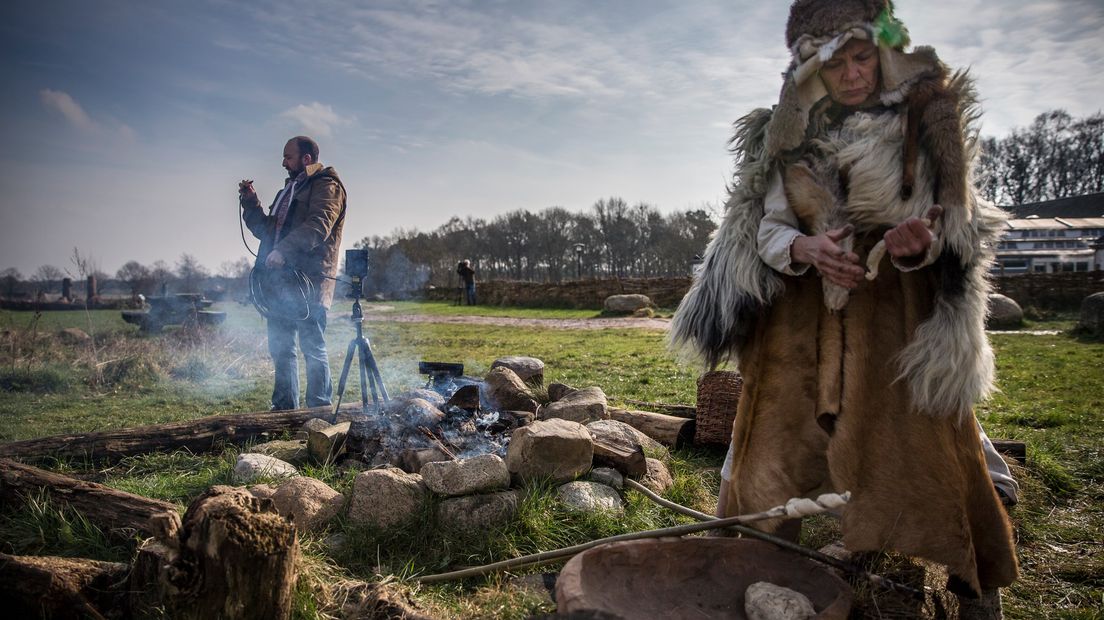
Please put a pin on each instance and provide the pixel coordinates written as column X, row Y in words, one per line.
column 890, row 31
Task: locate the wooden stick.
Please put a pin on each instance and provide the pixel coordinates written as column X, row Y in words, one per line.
column 440, row 444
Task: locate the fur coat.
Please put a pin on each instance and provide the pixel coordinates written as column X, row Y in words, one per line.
column 875, row 398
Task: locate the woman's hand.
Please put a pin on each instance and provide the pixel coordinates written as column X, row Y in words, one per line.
column 833, row 262
column 913, row 236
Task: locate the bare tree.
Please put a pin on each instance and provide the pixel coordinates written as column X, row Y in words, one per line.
column 46, row 276
column 136, row 276
column 191, row 273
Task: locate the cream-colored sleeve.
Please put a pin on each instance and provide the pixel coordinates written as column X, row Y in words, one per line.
column 778, row 230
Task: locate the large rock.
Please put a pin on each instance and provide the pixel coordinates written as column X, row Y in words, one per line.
column 416, row 412
column 308, row 502
column 415, row 459
column 426, row 394
column 477, row 512
column 315, row 424
column 327, row 444
column 1091, row 321
column 557, row 391
column 657, row 478
column 478, row 474
column 557, row 449
column 616, row 448
column 582, row 406
column 506, row 391
column 766, row 601
column 626, row 304
column 290, row 450
column 385, row 498
column 528, row 369
column 1004, row 313
column 251, row 467
column 651, row 447
column 587, row 496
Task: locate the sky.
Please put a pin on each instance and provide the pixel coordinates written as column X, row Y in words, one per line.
column 128, row 125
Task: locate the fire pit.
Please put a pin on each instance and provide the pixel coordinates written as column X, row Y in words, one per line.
column 690, row 578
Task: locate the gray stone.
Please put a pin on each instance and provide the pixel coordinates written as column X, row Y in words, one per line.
column 430, row 396
column 626, row 304
column 415, row 459
column 528, row 369
column 309, row 503
column 416, row 412
column 614, row 447
column 507, row 392
column 586, row 496
column 607, row 476
column 477, row 512
column 650, row 446
column 478, row 474
column 657, row 478
column 1091, row 320
column 557, row 449
column 556, row 391
column 582, row 406
column 386, row 498
column 329, row 443
column 766, row 601
column 251, row 467
column 292, row 451
column 315, row 424
column 1004, row 313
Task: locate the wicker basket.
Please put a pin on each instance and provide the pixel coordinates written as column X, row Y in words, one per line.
column 718, row 395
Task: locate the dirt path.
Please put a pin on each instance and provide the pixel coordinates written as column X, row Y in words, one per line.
column 612, row 323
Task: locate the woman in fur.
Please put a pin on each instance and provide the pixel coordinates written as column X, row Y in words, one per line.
column 854, row 383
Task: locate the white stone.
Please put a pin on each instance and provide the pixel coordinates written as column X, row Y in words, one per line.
column 478, row 474
column 766, row 601
column 1004, row 313
column 587, row 496
column 251, row 467
column 626, row 304
column 292, row 451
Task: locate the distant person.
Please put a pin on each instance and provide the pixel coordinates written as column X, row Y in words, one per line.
column 296, row 263
column 467, row 275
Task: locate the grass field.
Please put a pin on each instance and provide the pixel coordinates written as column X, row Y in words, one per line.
column 1052, row 398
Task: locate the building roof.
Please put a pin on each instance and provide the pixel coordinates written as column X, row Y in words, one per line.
column 1089, row 205
column 1056, row 222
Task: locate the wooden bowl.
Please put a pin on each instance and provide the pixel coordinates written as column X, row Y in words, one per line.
column 691, row 578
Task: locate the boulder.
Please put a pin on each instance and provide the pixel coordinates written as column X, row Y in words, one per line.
column 582, row 406
column 477, row 512
column 251, row 467
column 308, row 502
column 327, row 444
column 617, row 449
column 616, row 427
column 1004, row 313
column 416, row 412
column 657, row 478
column 626, row 304
column 607, row 476
column 528, row 369
column 556, row 391
column 557, row 449
column 766, row 601
column 426, row 394
column 506, row 391
column 385, row 498
column 290, row 450
column 415, row 459
column 1091, row 321
column 478, row 474
column 587, row 496
column 315, row 424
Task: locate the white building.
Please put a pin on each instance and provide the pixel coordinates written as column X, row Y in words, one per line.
column 1054, row 236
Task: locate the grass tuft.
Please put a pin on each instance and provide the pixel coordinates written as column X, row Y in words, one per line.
column 45, row 380
column 42, row 527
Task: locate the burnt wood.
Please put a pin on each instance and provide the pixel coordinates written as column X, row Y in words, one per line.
column 198, row 436
column 60, row 588
column 117, row 513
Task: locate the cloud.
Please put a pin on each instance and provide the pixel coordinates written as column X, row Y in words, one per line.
column 316, row 119
column 63, row 103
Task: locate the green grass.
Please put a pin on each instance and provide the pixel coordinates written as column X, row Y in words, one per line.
column 444, row 308
column 1052, row 398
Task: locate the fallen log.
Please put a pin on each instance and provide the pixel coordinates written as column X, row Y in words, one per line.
column 668, row 430
column 118, row 513
column 677, row 410
column 199, row 436
column 614, row 450
column 52, row 587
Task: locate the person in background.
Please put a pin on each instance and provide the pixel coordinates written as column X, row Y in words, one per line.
column 467, row 276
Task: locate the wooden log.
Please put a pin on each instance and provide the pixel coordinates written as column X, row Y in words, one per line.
column 199, row 436
column 1012, row 448
column 117, row 513
column 677, row 410
column 612, row 449
column 51, row 587
column 236, row 560
column 668, row 430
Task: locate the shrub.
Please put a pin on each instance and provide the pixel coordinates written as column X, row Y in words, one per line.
column 45, row 380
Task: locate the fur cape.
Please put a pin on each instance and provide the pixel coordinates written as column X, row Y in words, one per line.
column 948, row 365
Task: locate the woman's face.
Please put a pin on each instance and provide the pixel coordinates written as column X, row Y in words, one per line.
column 851, row 75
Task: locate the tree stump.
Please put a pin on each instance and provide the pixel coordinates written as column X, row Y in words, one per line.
column 51, row 587
column 236, row 560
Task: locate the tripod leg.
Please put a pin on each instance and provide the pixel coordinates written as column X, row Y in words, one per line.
column 365, row 378
column 344, row 375
column 374, row 373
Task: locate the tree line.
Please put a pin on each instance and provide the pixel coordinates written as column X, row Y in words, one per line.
column 612, row 239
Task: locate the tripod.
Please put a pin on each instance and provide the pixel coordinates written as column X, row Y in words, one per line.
column 369, row 371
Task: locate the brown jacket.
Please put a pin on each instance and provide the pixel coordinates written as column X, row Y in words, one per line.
column 311, row 235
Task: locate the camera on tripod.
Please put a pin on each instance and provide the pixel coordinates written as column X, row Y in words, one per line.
column 356, row 267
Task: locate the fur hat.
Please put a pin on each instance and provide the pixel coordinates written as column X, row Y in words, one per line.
column 827, row 18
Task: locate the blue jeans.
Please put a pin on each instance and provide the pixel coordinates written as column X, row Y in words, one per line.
column 312, row 341
column 469, row 290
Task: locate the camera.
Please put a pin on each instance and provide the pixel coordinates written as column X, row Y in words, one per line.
column 356, row 263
